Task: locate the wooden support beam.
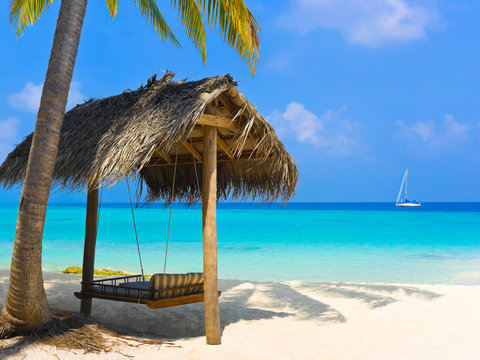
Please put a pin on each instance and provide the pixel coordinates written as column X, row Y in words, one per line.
column 228, row 105
column 218, row 121
column 240, row 100
column 209, row 96
column 164, row 155
column 225, row 147
column 246, row 155
column 89, row 247
column 209, row 214
column 192, row 150
column 199, row 140
column 257, row 142
column 183, row 161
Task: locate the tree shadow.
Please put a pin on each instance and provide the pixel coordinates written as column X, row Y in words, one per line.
column 11, row 347
column 240, row 301
column 281, row 295
column 186, row 321
column 370, row 294
column 407, row 290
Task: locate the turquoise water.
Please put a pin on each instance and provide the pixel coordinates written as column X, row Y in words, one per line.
column 311, row 242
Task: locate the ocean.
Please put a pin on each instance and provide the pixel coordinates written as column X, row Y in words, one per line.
column 361, row 242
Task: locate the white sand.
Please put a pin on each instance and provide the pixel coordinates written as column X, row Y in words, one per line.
column 289, row 320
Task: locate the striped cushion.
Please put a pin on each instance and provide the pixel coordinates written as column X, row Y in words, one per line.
column 195, row 278
column 166, row 281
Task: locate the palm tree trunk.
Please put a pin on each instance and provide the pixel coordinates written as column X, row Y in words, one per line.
column 26, row 307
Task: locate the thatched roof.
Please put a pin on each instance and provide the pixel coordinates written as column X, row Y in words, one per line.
column 141, row 133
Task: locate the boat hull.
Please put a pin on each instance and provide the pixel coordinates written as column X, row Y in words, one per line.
column 409, row 205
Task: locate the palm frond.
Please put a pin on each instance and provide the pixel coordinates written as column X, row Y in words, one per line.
column 153, row 16
column 112, row 7
column 23, row 13
column 193, row 23
column 237, row 25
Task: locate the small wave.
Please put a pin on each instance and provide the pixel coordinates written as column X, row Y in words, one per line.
column 428, row 256
column 248, row 248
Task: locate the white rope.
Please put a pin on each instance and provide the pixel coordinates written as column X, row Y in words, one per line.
column 135, row 228
column 170, row 215
column 196, row 177
column 99, row 207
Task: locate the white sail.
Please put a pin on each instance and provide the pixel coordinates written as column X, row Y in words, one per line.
column 399, row 197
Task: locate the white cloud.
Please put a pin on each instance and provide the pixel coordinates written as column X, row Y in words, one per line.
column 435, row 135
column 8, row 134
column 29, row 98
column 336, row 136
column 454, row 128
column 75, row 96
column 9, row 128
column 4, row 150
column 279, row 62
column 366, row 22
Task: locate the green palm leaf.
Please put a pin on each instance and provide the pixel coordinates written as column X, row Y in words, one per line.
column 232, row 17
column 237, row 25
column 112, row 7
column 23, row 13
column 193, row 23
column 153, row 16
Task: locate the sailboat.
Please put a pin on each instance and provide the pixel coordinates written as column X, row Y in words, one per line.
column 404, row 202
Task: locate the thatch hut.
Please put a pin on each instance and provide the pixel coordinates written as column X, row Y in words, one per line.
column 204, row 133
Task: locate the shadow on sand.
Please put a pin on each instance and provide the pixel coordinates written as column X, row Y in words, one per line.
column 373, row 295
column 240, row 301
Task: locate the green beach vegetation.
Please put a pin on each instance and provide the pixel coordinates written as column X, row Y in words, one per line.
column 77, row 270
column 26, row 307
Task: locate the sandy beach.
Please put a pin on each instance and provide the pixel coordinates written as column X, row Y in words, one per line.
column 287, row 320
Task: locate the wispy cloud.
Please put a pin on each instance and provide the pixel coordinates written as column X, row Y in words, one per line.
column 29, row 98
column 371, row 23
column 8, row 134
column 435, row 136
column 279, row 62
column 336, row 136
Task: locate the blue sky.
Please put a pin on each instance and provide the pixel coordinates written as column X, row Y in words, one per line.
column 357, row 90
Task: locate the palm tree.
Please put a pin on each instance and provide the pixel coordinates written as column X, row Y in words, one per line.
column 26, row 306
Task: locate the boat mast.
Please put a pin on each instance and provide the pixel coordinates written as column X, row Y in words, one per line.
column 406, row 183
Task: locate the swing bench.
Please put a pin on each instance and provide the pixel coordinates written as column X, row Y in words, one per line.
column 162, row 290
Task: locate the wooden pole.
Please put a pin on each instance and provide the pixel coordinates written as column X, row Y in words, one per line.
column 89, row 248
column 209, row 212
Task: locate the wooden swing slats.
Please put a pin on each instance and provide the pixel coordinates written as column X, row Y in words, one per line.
column 91, row 294
column 179, row 300
column 153, row 304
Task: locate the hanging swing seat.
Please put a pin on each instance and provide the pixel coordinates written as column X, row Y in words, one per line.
column 162, row 290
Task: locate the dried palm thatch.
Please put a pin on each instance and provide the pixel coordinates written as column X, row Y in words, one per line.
column 142, row 134
column 72, row 331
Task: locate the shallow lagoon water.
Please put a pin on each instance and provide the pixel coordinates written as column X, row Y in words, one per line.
column 366, row 242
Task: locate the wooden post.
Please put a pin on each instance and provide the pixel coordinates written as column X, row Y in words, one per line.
column 89, row 248
column 209, row 212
